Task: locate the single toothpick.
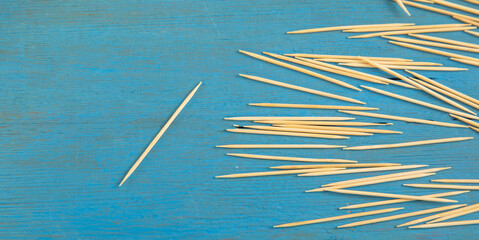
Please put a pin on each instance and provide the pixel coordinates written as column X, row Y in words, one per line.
column 424, row 219
column 350, row 129
column 361, row 170
column 393, row 201
column 302, row 130
column 424, row 68
column 282, row 146
column 397, row 28
column 447, row 224
column 472, row 33
column 323, row 123
column 298, row 69
column 289, row 118
column 326, row 29
column 425, row 104
column 445, row 40
column 293, row 134
column 465, row 120
column 462, row 211
column 465, row 20
column 409, row 144
column 401, row 32
column 434, row 44
column 405, row 215
column 352, row 165
column 456, row 6
column 466, row 61
column 308, row 55
column 294, row 159
column 380, row 62
column 272, row 173
column 302, row 89
column 353, row 215
column 443, row 186
column 456, row 180
column 474, row 128
column 162, row 131
column 438, row 10
column 389, row 195
column 312, row 106
column 405, row 119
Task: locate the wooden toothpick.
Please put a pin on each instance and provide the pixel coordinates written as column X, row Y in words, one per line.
column 326, row 29
column 308, row 55
column 350, row 129
column 434, row 44
column 252, row 118
column 425, row 68
column 323, row 123
column 456, row 6
column 445, row 40
column 456, row 180
column 312, row 106
column 472, row 33
column 438, row 10
column 295, row 159
column 447, row 224
column 398, row 28
column 293, row 134
column 302, row 130
column 272, row 173
column 389, row 195
column 351, row 165
column 162, row 131
column 465, row 120
column 373, row 169
column 443, row 186
column 401, row 32
column 424, row 219
column 280, row 146
column 409, row 144
column 461, row 212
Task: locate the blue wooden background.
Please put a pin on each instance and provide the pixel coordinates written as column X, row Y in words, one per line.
column 86, row 85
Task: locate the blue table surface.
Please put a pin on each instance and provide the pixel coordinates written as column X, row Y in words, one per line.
column 86, row 85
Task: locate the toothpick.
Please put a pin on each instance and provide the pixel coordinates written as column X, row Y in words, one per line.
column 409, row 144
column 400, row 32
column 312, row 106
column 405, row 215
column 425, row 104
column 397, row 28
column 463, row 211
column 302, row 89
column 393, row 73
column 456, row 180
column 424, row 68
column 445, row 40
column 434, row 51
column 472, row 1
column 456, row 6
column 465, row 120
column 405, row 119
column 326, row 29
column 389, row 195
column 307, row 55
column 387, row 176
column 443, row 186
column 293, row 134
column 289, row 118
column 373, row 182
column 158, row 136
column 475, row 129
column 273, row 173
column 465, row 20
column 350, row 129
column 447, row 224
column 315, row 131
column 353, row 215
column 298, row 69
column 338, row 60
column 323, row 123
column 279, row 146
column 373, row 169
column 466, row 61
column 434, row 44
column 393, row 201
column 438, row 10
column 295, row 159
column 352, row 165
column 424, row 219
column 472, row 33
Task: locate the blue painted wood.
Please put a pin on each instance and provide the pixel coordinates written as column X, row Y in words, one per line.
column 86, row 85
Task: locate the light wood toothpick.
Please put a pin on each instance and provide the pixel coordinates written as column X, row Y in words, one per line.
column 294, row 159
column 312, row 106
column 389, row 195
column 326, row 29
column 438, row 10
column 447, row 224
column 373, row 169
column 445, row 40
column 424, row 219
column 401, row 32
column 409, row 144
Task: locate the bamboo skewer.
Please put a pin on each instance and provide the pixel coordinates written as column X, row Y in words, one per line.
column 295, row 159
column 308, row 55
column 289, row 118
column 424, row 68
column 393, row 201
column 465, row 210
column 368, row 179
column 409, row 144
column 338, row 60
column 430, row 81
column 444, row 92
column 447, row 224
column 438, row 10
column 389, row 195
column 405, row 119
column 284, row 129
column 350, row 129
column 456, row 180
column 158, row 136
column 319, row 67
column 302, row 89
column 398, row 28
column 443, row 186
column 326, row 29
column 373, row 169
column 292, row 134
column 353, row 215
column 472, row 33
column 402, row 7
column 434, row 44
column 434, row 51
column 281, row 146
column 312, row 106
column 445, row 40
column 405, row 215
column 271, row 173
column 466, row 61
column 346, row 71
column 425, row 104
column 373, row 182
column 400, row 32
column 351, row 165
column 298, row 69
column 465, row 120
column 456, row 6
column 323, row 123
column 424, row 219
